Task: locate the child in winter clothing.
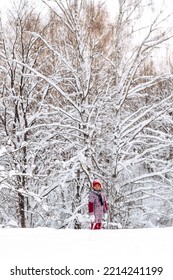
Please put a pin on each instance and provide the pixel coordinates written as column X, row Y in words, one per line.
column 97, row 205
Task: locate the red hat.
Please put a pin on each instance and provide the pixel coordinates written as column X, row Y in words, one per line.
column 96, row 182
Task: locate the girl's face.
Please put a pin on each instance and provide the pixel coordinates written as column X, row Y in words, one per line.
column 97, row 187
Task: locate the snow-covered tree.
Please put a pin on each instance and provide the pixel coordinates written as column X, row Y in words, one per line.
column 139, row 104
column 21, row 105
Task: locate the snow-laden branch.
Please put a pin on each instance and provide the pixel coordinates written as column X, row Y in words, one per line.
column 57, row 124
column 142, row 86
column 158, row 174
column 127, row 130
column 49, row 81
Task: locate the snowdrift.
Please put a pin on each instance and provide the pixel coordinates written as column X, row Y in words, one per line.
column 44, row 253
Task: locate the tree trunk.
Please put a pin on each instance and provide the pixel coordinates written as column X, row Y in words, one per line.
column 21, row 204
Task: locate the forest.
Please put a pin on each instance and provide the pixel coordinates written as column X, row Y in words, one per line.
column 85, row 96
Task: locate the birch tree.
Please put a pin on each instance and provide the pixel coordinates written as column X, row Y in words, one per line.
column 82, row 37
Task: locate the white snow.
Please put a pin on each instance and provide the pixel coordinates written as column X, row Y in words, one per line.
column 12, row 173
column 2, row 151
column 45, row 248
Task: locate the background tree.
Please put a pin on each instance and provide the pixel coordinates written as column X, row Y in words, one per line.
column 138, row 104
column 22, row 101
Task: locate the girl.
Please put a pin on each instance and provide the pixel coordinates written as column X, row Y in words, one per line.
column 97, row 205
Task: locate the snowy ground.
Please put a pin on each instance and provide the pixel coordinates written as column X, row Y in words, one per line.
column 44, row 253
